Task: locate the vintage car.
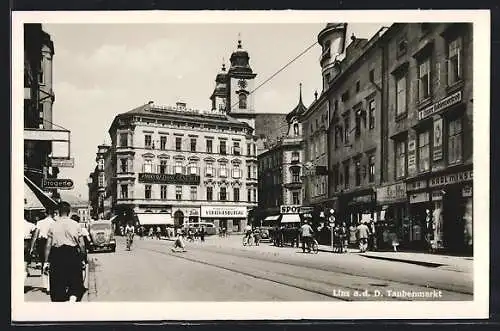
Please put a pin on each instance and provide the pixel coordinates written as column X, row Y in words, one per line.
column 101, row 235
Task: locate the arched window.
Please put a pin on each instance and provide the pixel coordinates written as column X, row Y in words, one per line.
column 243, row 101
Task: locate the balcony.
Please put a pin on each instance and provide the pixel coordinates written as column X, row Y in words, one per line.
column 294, row 184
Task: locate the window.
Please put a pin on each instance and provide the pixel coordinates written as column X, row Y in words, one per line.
column 163, row 167
column 357, row 131
column 193, row 144
column 296, row 198
column 222, row 147
column 178, row 193
column 101, row 180
column 148, row 165
column 295, row 175
column 243, row 101
column 424, row 79
column 358, row 86
column 178, row 143
column 295, row 156
column 401, row 88
column 123, row 140
column 400, row 159
column 454, row 61
column 100, row 164
column 254, row 195
column 163, row 143
column 41, row 77
column 223, row 170
column 372, row 75
column 371, row 114
column 249, row 149
column 236, row 194
column 178, row 167
column 254, row 172
column 236, row 171
column 194, row 193
column 123, row 165
column 346, row 129
column 371, row 169
column 335, row 177
column 210, row 193
column 296, row 129
column 236, row 148
column 124, row 191
column 222, row 194
column 346, row 175
column 209, row 146
column 249, row 172
column 402, row 46
column 147, row 141
column 455, row 141
column 358, row 172
column 147, row 191
column 423, row 151
column 254, row 149
column 209, row 171
column 249, row 195
column 163, row 192
column 193, row 169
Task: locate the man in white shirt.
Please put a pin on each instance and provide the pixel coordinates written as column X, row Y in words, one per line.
column 43, row 227
column 29, row 234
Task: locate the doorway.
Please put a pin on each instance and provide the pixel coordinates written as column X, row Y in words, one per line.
column 453, row 220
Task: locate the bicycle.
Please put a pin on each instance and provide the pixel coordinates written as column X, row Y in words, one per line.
column 314, row 246
column 248, row 240
column 130, row 240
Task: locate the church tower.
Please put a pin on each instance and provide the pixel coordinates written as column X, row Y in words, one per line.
column 219, row 95
column 332, row 42
column 240, row 103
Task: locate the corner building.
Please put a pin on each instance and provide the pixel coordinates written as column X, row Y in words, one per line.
column 176, row 165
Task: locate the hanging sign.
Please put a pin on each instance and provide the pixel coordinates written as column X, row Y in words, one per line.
column 451, row 179
column 57, row 183
column 440, row 105
column 437, row 147
column 412, row 157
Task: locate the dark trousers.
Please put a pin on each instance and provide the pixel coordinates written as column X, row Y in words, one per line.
column 40, row 248
column 306, row 241
column 65, row 273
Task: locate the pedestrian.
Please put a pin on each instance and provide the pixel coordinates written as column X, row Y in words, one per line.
column 151, row 233
column 158, row 232
column 179, row 242
column 43, row 227
column 306, row 233
column 202, row 234
column 257, row 236
column 363, row 232
column 65, row 256
column 344, row 235
column 30, row 233
column 429, row 230
column 141, row 232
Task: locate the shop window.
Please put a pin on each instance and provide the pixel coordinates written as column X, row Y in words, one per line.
column 163, row 167
column 401, row 93
column 178, row 193
column 124, row 191
column 400, row 158
column 163, row 192
column 147, row 141
column 222, row 194
column 147, row 191
column 148, row 166
column 194, row 193
column 193, row 144
column 209, row 146
column 423, row 151
column 222, row 148
column 371, row 169
column 296, row 198
column 236, row 194
column 455, row 140
column 163, row 143
column 210, row 193
column 178, row 143
column 424, row 79
column 454, row 61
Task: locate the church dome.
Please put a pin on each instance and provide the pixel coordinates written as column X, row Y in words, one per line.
column 240, row 60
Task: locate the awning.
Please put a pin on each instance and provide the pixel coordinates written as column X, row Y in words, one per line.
column 113, row 218
column 290, row 218
column 272, row 218
column 155, row 219
column 35, row 198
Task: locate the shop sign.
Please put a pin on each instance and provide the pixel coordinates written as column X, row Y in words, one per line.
column 419, row 197
column 412, row 157
column 418, row 185
column 223, row 212
column 362, row 199
column 62, row 163
column 460, row 177
column 440, row 105
column 57, row 183
column 306, row 210
column 290, row 209
column 437, row 195
column 146, row 177
column 437, row 146
column 391, row 193
column 467, row 191
column 194, row 212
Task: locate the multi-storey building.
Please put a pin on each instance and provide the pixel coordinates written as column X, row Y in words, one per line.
column 175, row 165
column 429, row 130
column 281, row 169
column 42, row 138
column 101, row 183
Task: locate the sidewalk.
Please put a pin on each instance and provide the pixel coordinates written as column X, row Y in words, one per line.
column 33, row 291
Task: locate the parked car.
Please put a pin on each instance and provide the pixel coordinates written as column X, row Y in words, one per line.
column 102, row 236
column 265, row 234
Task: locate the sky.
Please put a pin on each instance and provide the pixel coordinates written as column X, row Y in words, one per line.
column 101, row 70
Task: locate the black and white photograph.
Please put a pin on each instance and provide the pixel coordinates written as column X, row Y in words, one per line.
column 250, row 165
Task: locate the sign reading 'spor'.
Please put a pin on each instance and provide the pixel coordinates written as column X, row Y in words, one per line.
column 290, row 209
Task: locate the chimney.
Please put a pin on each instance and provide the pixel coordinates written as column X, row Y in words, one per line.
column 180, row 105
column 353, row 37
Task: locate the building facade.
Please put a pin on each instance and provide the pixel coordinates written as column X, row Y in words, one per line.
column 175, row 165
column 101, row 183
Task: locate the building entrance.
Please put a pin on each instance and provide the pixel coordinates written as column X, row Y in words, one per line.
column 453, row 220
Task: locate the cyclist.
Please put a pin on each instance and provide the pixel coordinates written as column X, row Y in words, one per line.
column 129, row 232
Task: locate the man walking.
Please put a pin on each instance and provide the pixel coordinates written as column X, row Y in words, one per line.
column 64, row 254
column 43, row 227
column 363, row 233
column 29, row 240
column 306, row 233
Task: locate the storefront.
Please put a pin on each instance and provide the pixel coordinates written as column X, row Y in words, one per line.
column 392, row 211
column 357, row 206
column 234, row 219
column 416, row 227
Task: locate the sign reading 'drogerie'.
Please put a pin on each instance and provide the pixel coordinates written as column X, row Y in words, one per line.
column 146, row 177
column 57, row 183
column 440, row 105
column 223, row 212
column 289, row 209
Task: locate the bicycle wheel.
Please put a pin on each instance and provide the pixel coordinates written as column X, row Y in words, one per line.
column 244, row 241
column 250, row 241
column 315, row 247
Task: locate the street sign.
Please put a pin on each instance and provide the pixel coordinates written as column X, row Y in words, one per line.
column 58, row 183
column 62, row 163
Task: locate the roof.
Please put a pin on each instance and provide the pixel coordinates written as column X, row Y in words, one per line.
column 270, row 126
column 299, row 109
column 72, row 199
